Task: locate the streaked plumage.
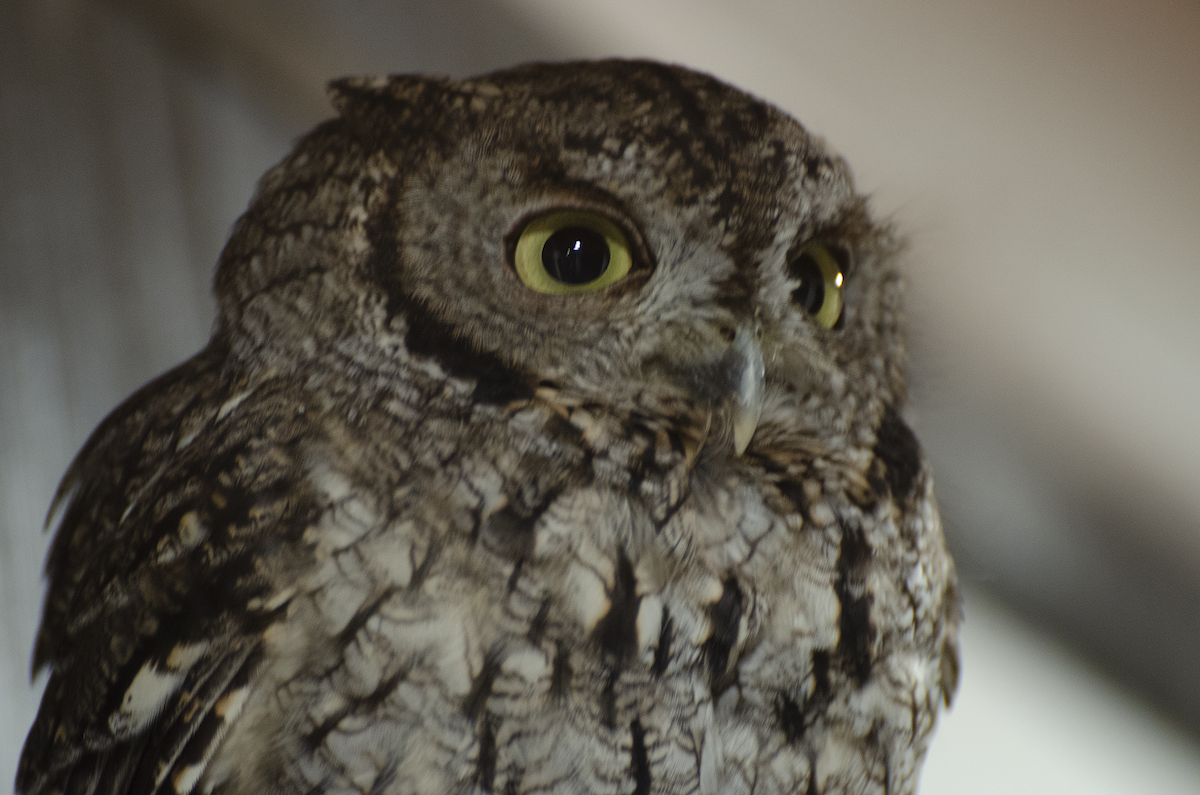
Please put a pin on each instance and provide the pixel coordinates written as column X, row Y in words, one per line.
column 415, row 523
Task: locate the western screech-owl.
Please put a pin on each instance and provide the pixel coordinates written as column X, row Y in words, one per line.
column 550, row 440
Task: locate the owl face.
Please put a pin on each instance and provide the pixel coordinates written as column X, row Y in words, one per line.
column 632, row 226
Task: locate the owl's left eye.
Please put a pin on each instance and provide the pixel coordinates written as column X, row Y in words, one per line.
column 820, row 290
column 574, row 251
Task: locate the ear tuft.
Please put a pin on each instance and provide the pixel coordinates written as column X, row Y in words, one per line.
column 357, row 96
column 380, row 108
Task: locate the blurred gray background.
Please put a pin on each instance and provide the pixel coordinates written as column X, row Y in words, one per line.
column 1044, row 158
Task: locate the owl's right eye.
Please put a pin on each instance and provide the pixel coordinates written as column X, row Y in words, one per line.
column 574, row 251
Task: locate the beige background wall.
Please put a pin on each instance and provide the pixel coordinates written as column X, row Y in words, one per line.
column 1043, row 156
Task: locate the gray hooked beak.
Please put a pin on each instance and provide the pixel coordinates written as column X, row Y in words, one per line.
column 749, row 379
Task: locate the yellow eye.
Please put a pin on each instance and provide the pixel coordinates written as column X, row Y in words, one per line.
column 820, row 290
column 574, row 251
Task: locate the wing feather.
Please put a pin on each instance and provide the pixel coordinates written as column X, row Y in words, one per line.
column 177, row 514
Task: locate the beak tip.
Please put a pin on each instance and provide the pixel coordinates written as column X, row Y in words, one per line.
column 742, row 434
column 748, row 402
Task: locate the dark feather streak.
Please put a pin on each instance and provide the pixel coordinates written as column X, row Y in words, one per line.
column 639, row 760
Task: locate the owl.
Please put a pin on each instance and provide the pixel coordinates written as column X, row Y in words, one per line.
column 550, row 439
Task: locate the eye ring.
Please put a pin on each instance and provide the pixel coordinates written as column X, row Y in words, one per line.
column 571, row 251
column 821, row 280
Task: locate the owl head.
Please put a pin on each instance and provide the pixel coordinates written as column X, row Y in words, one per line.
column 608, row 229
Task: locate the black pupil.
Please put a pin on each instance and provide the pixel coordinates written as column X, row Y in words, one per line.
column 811, row 292
column 575, row 255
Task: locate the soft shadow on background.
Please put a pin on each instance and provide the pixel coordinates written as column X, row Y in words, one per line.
column 1042, row 157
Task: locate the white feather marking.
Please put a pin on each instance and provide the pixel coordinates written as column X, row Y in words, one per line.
column 185, row 780
column 191, row 532
column 151, row 688
column 332, row 485
column 587, row 595
column 710, row 590
column 649, row 622
column 232, row 403
column 279, row 599
column 348, row 514
column 821, row 514
column 530, row 664
column 395, row 558
column 144, row 700
column 230, row 705
column 836, row 758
